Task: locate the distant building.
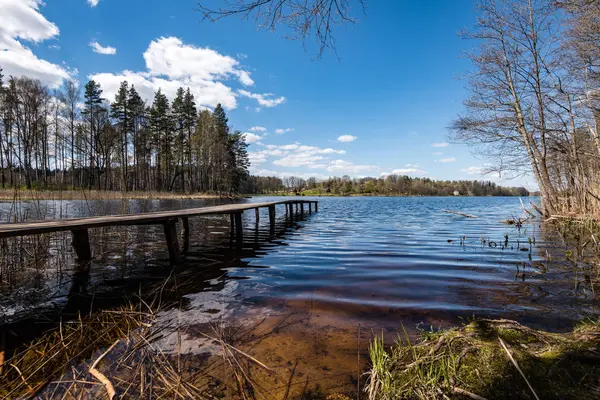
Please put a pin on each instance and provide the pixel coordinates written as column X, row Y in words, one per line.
column 456, row 193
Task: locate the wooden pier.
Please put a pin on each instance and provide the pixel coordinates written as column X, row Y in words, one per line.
column 168, row 219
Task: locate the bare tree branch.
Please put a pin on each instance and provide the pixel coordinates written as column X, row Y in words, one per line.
column 304, row 19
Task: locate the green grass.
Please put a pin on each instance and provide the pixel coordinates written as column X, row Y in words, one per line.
column 471, row 361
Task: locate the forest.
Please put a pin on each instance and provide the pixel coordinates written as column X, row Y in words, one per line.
column 75, row 139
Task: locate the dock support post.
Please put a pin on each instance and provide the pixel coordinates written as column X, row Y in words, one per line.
column 170, row 228
column 272, row 217
column 185, row 234
column 257, row 215
column 302, row 209
column 81, row 244
column 239, row 231
column 316, row 206
column 310, row 207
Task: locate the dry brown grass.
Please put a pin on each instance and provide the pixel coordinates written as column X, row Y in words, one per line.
column 24, row 194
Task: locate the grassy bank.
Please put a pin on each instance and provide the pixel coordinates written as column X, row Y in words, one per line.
column 24, row 194
column 488, row 359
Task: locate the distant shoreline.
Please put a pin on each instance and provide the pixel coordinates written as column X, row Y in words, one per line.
column 9, row 195
column 377, row 195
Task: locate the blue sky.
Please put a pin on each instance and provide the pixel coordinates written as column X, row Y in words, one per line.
column 390, row 96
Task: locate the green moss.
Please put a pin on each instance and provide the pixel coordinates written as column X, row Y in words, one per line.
column 472, row 359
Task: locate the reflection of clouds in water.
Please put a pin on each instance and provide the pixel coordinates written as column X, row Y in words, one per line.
column 204, row 308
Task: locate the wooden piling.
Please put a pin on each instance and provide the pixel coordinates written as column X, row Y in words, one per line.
column 170, row 228
column 185, row 234
column 239, row 229
column 302, row 209
column 316, row 206
column 310, row 207
column 272, row 216
column 81, row 244
column 257, row 215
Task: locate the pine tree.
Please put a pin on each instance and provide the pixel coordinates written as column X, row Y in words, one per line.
column 238, row 149
column 120, row 111
column 191, row 114
column 138, row 117
column 92, row 105
column 160, row 122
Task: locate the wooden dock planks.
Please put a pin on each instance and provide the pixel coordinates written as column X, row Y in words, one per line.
column 79, row 226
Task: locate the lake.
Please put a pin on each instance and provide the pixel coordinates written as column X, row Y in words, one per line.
column 322, row 285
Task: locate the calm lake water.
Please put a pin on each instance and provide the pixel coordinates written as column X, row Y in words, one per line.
column 320, row 286
column 370, row 260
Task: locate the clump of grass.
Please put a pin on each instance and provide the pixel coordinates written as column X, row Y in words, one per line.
column 488, row 359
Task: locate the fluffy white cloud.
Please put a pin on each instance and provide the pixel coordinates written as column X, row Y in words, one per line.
column 258, row 129
column 98, row 48
column 442, row 144
column 252, row 138
column 93, row 3
column 437, row 153
column 293, row 155
column 172, row 64
column 413, row 170
column 22, row 19
column 346, row 167
column 281, row 131
column 296, row 155
column 447, row 160
column 286, row 174
column 346, row 138
column 473, row 170
column 265, row 100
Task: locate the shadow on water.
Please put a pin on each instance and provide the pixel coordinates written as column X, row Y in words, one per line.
column 132, row 266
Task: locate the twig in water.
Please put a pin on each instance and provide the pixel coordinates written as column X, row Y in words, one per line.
column 459, row 213
column 110, row 389
column 518, row 368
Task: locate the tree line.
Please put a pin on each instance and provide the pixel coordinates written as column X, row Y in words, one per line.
column 76, row 139
column 534, row 101
column 392, row 185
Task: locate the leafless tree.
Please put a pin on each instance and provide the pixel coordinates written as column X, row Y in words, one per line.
column 302, row 18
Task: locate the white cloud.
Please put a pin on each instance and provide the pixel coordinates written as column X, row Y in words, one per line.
column 93, row 3
column 473, row 170
column 285, row 174
column 22, row 19
column 106, row 50
column 437, row 153
column 293, row 155
column 258, row 129
column 346, row 138
column 442, row 144
column 252, row 138
column 281, row 131
column 346, row 167
column 265, row 100
column 447, row 160
column 414, row 170
column 172, row 64
column 54, row 47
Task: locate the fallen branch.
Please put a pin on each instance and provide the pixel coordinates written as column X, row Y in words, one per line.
column 459, row 213
column 463, row 392
column 110, row 389
column 526, row 210
column 536, row 208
